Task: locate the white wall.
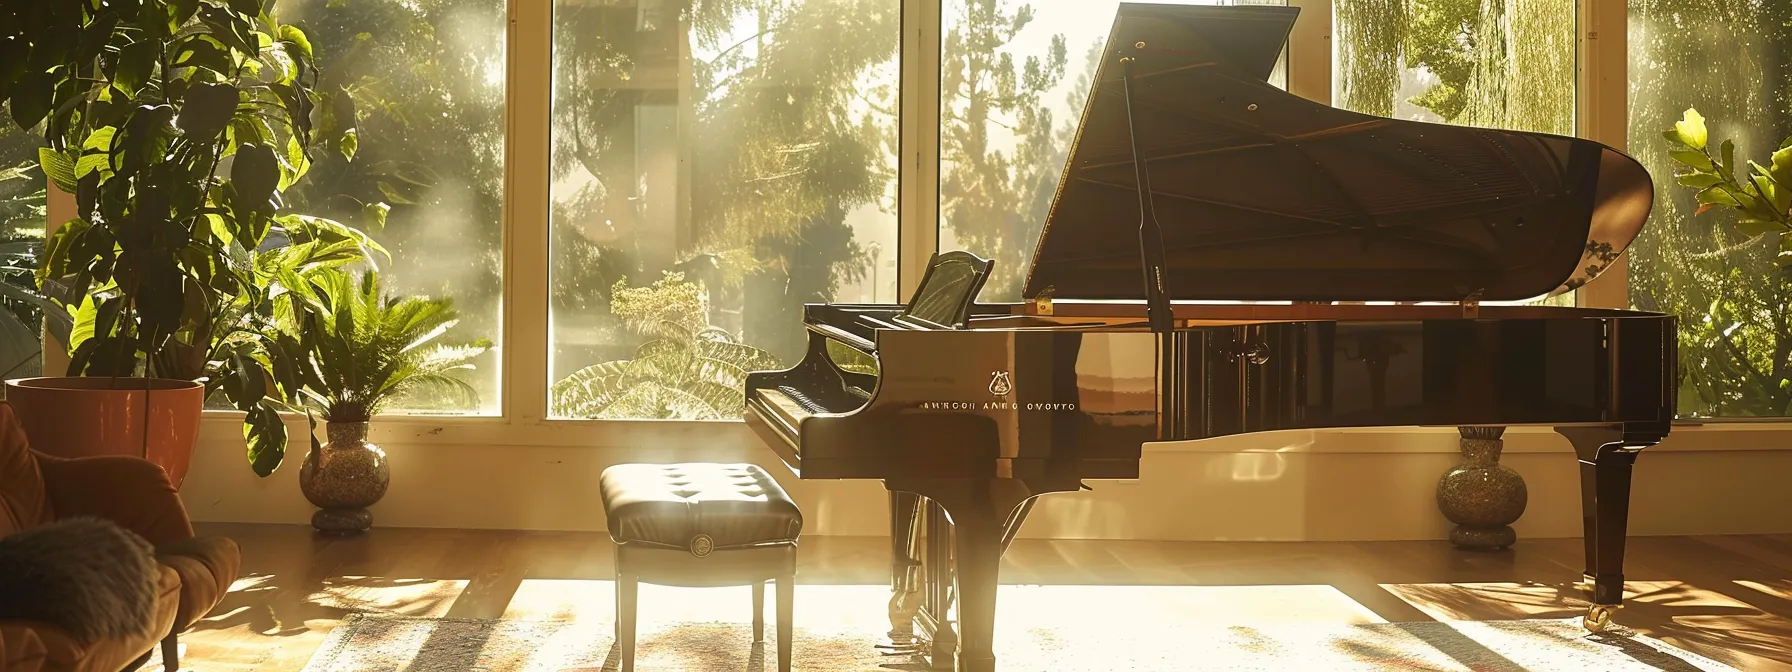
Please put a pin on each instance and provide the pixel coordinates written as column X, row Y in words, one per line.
column 1283, row 486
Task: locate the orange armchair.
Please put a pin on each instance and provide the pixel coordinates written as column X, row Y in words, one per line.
column 196, row 572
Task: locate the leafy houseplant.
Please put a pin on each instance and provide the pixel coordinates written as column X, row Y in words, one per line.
column 176, row 124
column 685, row 370
column 365, row 350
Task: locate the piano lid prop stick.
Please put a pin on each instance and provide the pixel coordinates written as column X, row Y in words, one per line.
column 1151, row 236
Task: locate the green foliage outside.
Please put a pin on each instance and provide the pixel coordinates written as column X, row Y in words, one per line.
column 684, row 370
column 421, row 84
column 21, row 245
column 736, row 175
column 995, row 199
column 1716, row 270
column 1497, row 63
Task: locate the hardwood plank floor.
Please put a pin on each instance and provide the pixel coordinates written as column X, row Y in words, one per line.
column 1725, row 597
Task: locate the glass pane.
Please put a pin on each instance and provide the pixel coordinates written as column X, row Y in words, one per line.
column 1488, row 63
column 427, row 82
column 1732, row 61
column 1014, row 77
column 715, row 167
column 21, row 240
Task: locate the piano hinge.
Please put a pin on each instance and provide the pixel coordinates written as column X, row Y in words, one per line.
column 1042, row 304
column 1471, row 305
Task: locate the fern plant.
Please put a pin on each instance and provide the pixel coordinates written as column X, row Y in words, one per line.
column 686, row 369
column 368, row 349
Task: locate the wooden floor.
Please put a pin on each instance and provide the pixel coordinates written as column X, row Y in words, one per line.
column 1725, row 597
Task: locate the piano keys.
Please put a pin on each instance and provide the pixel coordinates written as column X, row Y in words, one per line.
column 1264, row 225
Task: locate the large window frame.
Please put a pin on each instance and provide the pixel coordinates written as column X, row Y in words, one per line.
column 1601, row 109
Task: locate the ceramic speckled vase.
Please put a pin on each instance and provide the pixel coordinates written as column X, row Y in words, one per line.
column 1482, row 496
column 343, row 477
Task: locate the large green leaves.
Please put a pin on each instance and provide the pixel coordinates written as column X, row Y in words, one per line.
column 208, row 110
column 175, row 124
column 256, row 174
column 265, row 435
column 1761, row 195
column 1690, row 130
column 31, row 98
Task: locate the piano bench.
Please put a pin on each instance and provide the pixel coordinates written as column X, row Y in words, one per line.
column 701, row 524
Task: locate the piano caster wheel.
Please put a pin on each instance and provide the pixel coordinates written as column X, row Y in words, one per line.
column 1599, row 618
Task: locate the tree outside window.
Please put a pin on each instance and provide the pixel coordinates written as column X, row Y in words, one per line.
column 422, row 84
column 1732, row 60
column 716, row 165
column 1014, row 77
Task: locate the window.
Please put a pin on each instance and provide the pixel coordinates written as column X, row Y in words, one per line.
column 1489, row 63
column 424, row 80
column 711, row 167
column 21, row 241
column 714, row 168
column 1732, row 60
column 1013, row 77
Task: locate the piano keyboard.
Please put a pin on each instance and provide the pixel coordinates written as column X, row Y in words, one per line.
column 792, row 405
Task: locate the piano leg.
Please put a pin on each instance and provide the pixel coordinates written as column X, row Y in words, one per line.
column 978, row 540
column 941, row 587
column 981, row 511
column 1606, row 456
column 905, row 569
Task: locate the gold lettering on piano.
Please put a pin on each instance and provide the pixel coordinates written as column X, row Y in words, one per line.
column 996, row 406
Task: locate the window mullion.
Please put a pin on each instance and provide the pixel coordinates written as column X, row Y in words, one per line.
column 1310, row 51
column 1602, row 114
column 918, row 183
column 529, row 86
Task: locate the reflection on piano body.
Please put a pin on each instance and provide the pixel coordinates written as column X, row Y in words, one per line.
column 1274, row 218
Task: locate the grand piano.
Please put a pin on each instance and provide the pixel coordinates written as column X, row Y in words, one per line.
column 1223, row 257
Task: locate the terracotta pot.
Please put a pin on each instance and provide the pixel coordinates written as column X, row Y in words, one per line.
column 82, row 417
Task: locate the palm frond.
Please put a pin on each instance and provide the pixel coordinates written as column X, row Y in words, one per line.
column 686, row 369
column 370, row 349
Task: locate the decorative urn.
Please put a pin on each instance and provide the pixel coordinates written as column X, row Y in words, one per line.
column 1482, row 496
column 343, row 477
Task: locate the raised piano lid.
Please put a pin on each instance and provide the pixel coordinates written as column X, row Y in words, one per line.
column 1266, row 196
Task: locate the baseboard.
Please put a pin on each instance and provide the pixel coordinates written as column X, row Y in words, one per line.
column 1354, row 485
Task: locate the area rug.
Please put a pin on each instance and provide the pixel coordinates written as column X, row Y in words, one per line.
column 366, row 643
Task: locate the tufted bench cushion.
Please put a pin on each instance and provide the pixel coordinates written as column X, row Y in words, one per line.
column 671, row 505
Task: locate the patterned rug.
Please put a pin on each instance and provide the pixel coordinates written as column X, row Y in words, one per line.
column 378, row 643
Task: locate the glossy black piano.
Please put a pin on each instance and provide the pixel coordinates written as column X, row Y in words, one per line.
column 1223, row 257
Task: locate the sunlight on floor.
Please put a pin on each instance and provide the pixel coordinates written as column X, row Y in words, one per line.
column 1090, row 607
column 406, row 597
column 1781, row 589
column 1454, row 601
column 556, row 624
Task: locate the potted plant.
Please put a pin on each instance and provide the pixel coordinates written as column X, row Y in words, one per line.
column 175, row 124
column 367, row 349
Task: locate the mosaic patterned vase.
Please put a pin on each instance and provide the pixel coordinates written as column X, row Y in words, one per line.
column 1482, row 496
column 343, row 477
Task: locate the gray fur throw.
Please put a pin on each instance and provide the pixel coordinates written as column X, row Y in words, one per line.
column 90, row 577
